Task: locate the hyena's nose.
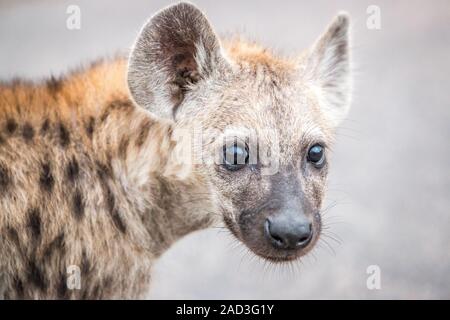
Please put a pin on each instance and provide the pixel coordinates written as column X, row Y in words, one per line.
column 288, row 232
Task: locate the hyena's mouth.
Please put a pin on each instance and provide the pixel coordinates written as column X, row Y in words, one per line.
column 279, row 255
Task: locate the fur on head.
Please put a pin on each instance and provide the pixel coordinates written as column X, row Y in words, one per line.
column 267, row 121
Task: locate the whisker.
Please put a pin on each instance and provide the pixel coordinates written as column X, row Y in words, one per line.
column 338, row 241
column 329, row 246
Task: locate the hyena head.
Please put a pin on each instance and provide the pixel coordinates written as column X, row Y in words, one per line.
column 267, row 122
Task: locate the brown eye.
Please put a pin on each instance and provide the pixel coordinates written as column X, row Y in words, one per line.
column 235, row 157
column 316, row 156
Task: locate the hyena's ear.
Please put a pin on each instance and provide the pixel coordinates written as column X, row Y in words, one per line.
column 327, row 69
column 175, row 50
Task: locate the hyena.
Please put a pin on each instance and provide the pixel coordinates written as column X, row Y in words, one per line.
column 94, row 170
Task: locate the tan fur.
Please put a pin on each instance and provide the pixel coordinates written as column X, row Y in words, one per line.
column 255, row 55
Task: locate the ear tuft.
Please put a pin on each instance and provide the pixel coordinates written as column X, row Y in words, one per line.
column 328, row 69
column 176, row 48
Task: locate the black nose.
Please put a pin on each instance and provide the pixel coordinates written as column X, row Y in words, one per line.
column 288, row 232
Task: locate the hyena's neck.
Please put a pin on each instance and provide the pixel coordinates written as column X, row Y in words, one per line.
column 138, row 148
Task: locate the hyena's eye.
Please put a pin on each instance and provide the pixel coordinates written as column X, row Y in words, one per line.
column 316, row 156
column 235, row 156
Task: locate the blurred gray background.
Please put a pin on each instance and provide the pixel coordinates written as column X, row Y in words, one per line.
column 390, row 180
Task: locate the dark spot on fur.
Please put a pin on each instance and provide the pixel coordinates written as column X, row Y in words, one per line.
column 34, row 223
column 62, row 290
column 78, row 205
column 11, row 126
column 96, row 292
column 110, row 203
column 5, row 179
column 13, row 236
column 103, row 171
column 2, row 140
column 150, row 219
column 178, row 58
column 165, row 191
column 18, row 287
column 57, row 245
column 116, row 105
column 108, row 161
column 90, row 125
column 27, row 132
column 54, row 85
column 109, row 199
column 72, row 170
column 107, row 283
column 118, row 222
column 85, row 265
column 275, row 83
column 36, row 276
column 46, row 179
column 84, row 294
column 64, row 135
column 144, row 129
column 123, row 147
column 45, row 126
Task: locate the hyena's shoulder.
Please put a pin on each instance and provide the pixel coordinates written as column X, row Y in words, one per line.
column 59, row 201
